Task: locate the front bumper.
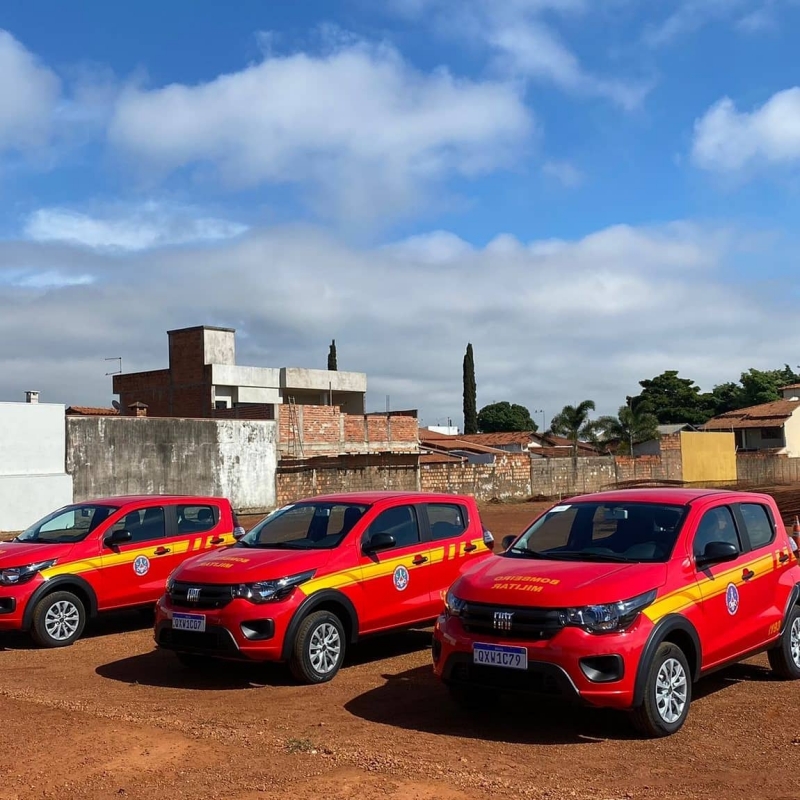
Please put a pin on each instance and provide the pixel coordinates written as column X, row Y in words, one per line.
column 240, row 630
column 13, row 602
column 598, row 670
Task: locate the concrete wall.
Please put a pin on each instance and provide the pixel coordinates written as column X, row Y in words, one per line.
column 708, row 457
column 347, row 474
column 33, row 481
column 323, row 380
column 766, row 469
column 236, row 459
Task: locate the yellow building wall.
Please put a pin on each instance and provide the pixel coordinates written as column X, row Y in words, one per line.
column 708, row 457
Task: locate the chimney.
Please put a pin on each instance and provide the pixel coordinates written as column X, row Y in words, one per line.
column 31, row 397
column 138, row 409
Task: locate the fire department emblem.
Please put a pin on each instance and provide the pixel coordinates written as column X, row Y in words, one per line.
column 732, row 598
column 400, row 578
column 142, row 565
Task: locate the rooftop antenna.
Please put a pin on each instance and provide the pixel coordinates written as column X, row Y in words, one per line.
column 119, row 371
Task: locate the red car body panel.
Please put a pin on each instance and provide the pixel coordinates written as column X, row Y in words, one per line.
column 721, row 624
column 112, row 577
column 391, row 589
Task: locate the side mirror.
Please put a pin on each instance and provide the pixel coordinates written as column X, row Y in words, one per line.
column 118, row 537
column 508, row 541
column 379, row 541
column 238, row 532
column 718, row 553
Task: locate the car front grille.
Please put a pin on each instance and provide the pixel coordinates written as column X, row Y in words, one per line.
column 201, row 595
column 530, row 624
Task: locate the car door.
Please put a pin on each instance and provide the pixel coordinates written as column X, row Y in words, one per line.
column 728, row 590
column 199, row 525
column 395, row 581
column 134, row 572
column 760, row 533
column 454, row 541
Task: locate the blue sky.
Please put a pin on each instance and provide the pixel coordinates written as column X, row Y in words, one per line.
column 591, row 191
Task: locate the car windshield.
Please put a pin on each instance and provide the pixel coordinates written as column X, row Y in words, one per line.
column 305, row 526
column 614, row 532
column 67, row 525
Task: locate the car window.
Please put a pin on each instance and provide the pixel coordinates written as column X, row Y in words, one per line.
column 716, row 526
column 400, row 522
column 72, row 524
column 447, row 520
column 195, row 519
column 757, row 522
column 144, row 524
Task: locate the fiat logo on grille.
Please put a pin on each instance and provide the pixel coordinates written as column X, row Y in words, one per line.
column 192, row 595
column 502, row 620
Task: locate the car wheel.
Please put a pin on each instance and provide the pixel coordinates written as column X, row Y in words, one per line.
column 194, row 660
column 318, row 649
column 667, row 693
column 785, row 658
column 58, row 620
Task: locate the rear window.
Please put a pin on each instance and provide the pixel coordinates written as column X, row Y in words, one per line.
column 447, row 520
column 196, row 519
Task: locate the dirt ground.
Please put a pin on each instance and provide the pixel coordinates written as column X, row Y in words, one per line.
column 111, row 717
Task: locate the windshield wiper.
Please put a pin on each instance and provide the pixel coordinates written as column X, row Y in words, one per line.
column 523, row 551
column 588, row 555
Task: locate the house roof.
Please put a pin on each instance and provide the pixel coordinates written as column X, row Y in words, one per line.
column 766, row 415
column 522, row 438
column 91, row 411
column 668, row 430
column 439, row 458
column 790, row 386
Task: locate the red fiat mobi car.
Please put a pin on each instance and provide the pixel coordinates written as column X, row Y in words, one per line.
column 319, row 574
column 102, row 555
column 623, row 599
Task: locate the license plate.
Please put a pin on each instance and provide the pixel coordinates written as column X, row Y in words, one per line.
column 188, row 622
column 498, row 655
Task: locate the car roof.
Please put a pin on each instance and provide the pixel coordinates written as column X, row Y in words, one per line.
column 368, row 498
column 654, row 494
column 130, row 499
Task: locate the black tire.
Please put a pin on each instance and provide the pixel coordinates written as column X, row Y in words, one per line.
column 318, row 628
column 58, row 620
column 196, row 661
column 784, row 662
column 647, row 717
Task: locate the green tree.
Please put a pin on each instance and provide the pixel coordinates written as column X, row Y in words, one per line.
column 573, row 422
column 332, row 357
column 503, row 417
column 629, row 427
column 727, row 397
column 763, row 386
column 470, row 393
column 673, row 399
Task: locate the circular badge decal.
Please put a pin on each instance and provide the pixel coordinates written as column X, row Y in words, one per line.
column 732, row 598
column 142, row 565
column 400, row 578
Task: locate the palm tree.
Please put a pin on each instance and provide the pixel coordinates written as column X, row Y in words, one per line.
column 574, row 423
column 629, row 427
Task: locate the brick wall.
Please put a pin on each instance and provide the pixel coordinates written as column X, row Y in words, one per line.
column 307, row 431
column 765, row 468
column 152, row 388
column 352, row 473
column 255, row 411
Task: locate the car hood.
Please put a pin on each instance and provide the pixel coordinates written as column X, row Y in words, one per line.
column 19, row 554
column 248, row 565
column 505, row 580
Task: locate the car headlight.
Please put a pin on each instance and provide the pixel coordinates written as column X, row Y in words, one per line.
column 608, row 617
column 170, row 584
column 268, row 591
column 454, row 605
column 16, row 575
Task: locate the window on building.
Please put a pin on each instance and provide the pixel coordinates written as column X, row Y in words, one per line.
column 772, row 433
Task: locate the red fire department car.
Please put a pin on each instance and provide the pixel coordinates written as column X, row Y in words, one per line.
column 318, row 574
column 623, row 599
column 102, row 555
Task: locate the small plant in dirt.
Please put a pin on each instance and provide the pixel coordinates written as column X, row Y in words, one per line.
column 305, row 746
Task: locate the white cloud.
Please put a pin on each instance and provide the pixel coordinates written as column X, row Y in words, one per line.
column 564, row 172
column 369, row 132
column 552, row 322
column 29, row 93
column 727, row 140
column 151, row 225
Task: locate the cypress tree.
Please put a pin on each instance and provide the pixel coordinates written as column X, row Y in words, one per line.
column 470, row 393
column 332, row 356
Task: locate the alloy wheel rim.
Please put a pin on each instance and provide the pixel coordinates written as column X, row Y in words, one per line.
column 794, row 642
column 325, row 648
column 62, row 620
column 671, row 690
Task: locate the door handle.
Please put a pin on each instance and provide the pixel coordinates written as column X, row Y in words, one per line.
column 747, row 574
column 420, row 559
column 161, row 551
column 470, row 547
column 217, row 540
column 784, row 558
